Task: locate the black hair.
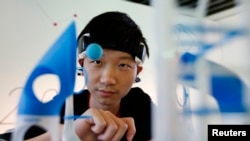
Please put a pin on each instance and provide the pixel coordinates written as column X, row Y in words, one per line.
column 114, row 30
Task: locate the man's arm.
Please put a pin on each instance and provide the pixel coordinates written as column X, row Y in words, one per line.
column 103, row 126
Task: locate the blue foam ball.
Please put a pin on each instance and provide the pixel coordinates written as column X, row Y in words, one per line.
column 94, row 51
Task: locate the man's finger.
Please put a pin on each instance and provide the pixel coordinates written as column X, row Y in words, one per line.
column 116, row 130
column 131, row 128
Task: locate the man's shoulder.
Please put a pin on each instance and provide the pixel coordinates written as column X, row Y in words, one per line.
column 136, row 94
column 81, row 97
column 82, row 93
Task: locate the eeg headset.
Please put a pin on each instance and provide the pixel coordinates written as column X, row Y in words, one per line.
column 85, row 42
column 92, row 50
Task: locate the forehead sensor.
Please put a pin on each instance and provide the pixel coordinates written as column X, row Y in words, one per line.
column 94, row 52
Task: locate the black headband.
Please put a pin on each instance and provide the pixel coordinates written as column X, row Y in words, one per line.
column 139, row 53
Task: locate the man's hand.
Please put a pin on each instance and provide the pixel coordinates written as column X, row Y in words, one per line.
column 104, row 126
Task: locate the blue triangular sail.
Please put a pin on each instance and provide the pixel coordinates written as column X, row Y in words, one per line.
column 60, row 60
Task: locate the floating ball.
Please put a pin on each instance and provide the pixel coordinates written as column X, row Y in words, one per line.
column 94, row 51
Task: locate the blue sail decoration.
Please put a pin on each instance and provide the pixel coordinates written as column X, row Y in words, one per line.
column 59, row 60
column 226, row 86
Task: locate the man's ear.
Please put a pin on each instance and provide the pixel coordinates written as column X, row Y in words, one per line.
column 139, row 69
column 80, row 61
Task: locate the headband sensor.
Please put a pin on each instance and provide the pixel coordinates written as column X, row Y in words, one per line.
column 138, row 52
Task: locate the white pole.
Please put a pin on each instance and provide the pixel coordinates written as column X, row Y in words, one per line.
column 165, row 118
column 202, row 73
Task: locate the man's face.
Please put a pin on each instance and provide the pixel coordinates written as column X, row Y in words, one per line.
column 110, row 77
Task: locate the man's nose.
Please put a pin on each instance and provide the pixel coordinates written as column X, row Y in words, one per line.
column 108, row 75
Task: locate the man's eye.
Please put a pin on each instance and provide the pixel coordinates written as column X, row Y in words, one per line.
column 124, row 66
column 96, row 62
